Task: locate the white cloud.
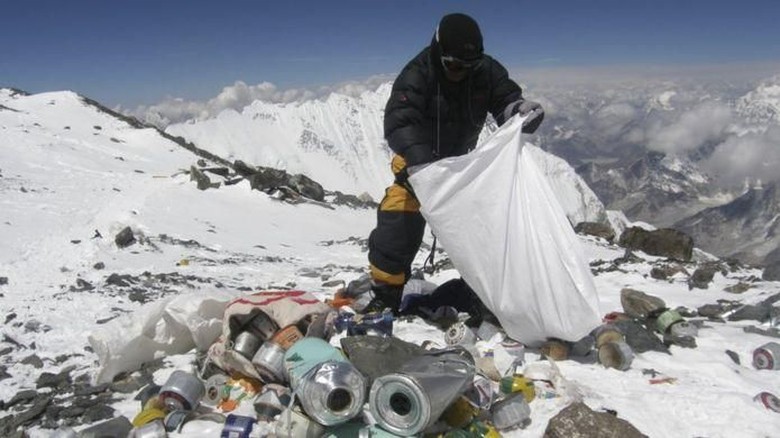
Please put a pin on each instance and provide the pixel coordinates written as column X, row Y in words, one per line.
column 237, row 96
column 703, row 123
column 753, row 155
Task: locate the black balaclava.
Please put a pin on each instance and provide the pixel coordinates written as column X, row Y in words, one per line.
column 458, row 35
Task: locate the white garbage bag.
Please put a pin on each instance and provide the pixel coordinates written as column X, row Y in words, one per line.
column 506, row 233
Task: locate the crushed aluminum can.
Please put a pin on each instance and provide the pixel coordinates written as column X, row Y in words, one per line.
column 460, row 334
column 182, row 391
column 237, row 426
column 769, row 400
column 767, row 356
column 511, row 412
column 616, row 355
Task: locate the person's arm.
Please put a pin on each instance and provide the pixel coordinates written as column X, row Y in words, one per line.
column 507, row 100
column 407, row 130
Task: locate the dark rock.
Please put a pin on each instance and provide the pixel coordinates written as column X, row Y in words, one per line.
column 220, row 171
column 6, row 350
column 352, row 201
column 202, row 163
column 639, row 337
column 307, row 187
column 4, row 372
column 116, row 427
column 637, row 304
column 771, row 272
column 681, row 341
column 10, row 317
column 603, row 231
column 579, row 421
column 664, row 242
column 138, row 296
column 702, row 277
column 81, row 286
column 23, row 397
column 734, row 356
column 665, row 271
column 99, row 265
column 33, row 325
column 244, row 169
column 759, row 312
column 125, row 238
column 33, row 360
column 71, row 412
column 120, row 280
column 98, row 412
column 3, row 281
column 268, row 179
column 38, row 408
column 203, row 180
column 60, row 380
column 738, row 288
column 710, row 310
column 85, row 390
column 127, row 384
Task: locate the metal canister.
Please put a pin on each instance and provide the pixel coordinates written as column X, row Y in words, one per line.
column 182, row 391
column 767, row 356
column 269, row 362
column 262, row 326
column 332, row 391
column 237, row 426
column 555, row 350
column 511, row 412
column 287, row 336
column 246, row 344
column 607, row 333
column 460, row 334
column 616, row 355
column 769, row 400
column 666, row 319
column 215, row 390
column 155, row 429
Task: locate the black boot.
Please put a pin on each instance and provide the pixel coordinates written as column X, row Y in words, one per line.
column 385, row 297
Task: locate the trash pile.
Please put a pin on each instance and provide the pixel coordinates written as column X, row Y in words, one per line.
column 290, row 365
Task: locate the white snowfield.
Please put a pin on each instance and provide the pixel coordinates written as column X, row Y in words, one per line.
column 68, row 171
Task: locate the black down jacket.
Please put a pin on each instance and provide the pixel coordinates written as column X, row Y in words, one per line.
column 429, row 117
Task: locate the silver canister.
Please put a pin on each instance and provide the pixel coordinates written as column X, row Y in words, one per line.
column 408, row 402
column 769, row 400
column 515, row 349
column 616, row 355
column 269, row 362
column 247, row 344
column 215, row 390
column 460, row 334
column 511, row 412
column 607, row 333
column 262, row 326
column 182, row 391
column 767, row 356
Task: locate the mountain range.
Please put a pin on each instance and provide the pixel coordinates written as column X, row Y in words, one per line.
column 652, row 151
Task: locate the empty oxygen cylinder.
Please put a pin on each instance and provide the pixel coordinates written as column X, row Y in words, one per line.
column 330, row 388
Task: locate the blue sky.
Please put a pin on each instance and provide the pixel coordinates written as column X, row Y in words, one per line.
column 139, row 52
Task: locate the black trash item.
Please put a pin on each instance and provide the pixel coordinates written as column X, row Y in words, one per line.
column 456, row 294
column 376, row 356
column 639, row 337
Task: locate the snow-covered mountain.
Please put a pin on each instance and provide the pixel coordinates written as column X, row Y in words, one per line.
column 656, row 188
column 747, row 228
column 762, row 105
column 338, row 142
column 72, row 176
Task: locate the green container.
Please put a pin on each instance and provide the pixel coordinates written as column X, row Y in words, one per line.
column 666, row 319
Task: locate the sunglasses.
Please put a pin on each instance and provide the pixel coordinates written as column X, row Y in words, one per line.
column 457, row 65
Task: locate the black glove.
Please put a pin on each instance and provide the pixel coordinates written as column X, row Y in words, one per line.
column 418, row 154
column 534, row 112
